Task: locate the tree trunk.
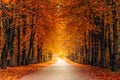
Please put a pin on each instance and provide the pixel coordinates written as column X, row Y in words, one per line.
column 76, row 51
column 31, row 41
column 96, row 49
column 102, row 45
column 109, row 40
column 30, row 47
column 89, row 50
column 9, row 34
column 110, row 46
column 39, row 53
column 11, row 37
column 86, row 50
column 32, row 57
column 73, row 58
column 24, row 60
column 93, row 48
column 115, row 38
column 18, row 39
column 24, row 56
column 4, row 57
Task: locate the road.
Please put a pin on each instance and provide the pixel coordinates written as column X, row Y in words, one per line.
column 60, row 70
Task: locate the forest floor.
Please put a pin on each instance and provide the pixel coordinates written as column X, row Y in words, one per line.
column 15, row 73
column 95, row 72
column 85, row 72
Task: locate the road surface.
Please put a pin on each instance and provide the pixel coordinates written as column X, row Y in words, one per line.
column 60, row 70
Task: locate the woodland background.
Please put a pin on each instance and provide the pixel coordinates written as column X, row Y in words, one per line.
column 86, row 31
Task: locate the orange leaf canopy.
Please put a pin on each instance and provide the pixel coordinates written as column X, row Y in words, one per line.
column 5, row 1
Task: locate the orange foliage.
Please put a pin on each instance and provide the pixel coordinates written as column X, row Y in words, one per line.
column 58, row 28
column 6, row 1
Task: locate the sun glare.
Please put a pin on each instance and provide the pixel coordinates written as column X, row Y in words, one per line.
column 60, row 61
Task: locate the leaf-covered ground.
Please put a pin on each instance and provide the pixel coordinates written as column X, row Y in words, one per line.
column 86, row 71
column 95, row 72
column 15, row 73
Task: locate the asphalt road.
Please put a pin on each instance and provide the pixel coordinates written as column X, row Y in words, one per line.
column 60, row 70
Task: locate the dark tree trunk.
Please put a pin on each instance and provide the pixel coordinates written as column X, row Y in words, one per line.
column 115, row 38
column 5, row 49
column 76, row 51
column 110, row 46
column 73, row 58
column 32, row 57
column 0, row 35
column 18, row 39
column 50, row 55
column 30, row 47
column 31, row 41
column 24, row 55
column 9, row 34
column 39, row 53
column 4, row 57
column 95, row 40
column 11, row 38
column 41, row 56
column 96, row 49
column 109, row 39
column 24, row 60
column 12, row 57
column 86, row 50
column 93, row 48
column 102, row 45
column 89, row 50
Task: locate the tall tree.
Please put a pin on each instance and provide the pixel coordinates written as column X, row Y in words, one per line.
column 115, row 37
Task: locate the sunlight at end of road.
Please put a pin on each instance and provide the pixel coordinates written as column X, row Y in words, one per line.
column 60, row 61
